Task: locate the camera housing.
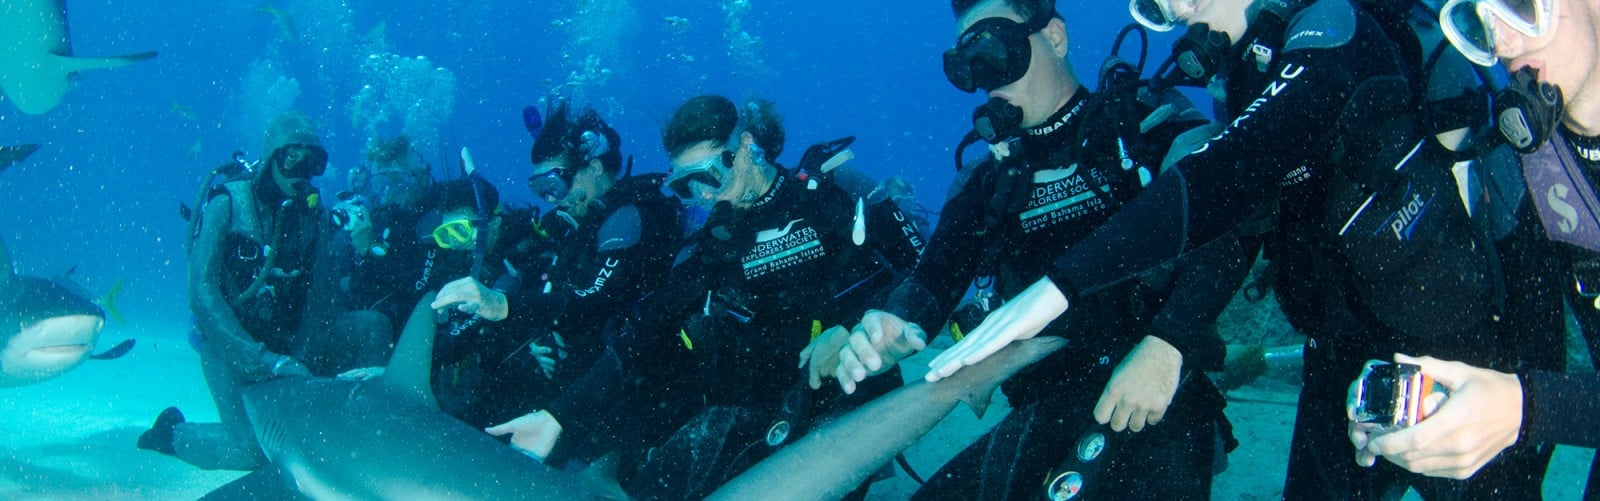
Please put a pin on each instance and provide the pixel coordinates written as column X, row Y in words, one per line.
column 1391, row 396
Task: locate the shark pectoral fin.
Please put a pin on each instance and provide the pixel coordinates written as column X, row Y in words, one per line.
column 11, row 155
column 410, row 368
column 71, row 64
column 115, row 352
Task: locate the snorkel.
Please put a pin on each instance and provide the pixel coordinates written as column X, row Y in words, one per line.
column 481, row 222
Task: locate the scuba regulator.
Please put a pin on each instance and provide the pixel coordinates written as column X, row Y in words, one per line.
column 1527, row 110
column 1196, row 58
column 997, row 122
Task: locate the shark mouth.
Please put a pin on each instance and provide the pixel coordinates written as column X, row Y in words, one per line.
column 62, row 350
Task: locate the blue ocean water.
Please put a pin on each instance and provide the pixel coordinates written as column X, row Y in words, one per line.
column 127, row 145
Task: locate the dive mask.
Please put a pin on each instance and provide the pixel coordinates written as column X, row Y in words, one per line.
column 993, row 53
column 389, row 185
column 301, row 160
column 1156, row 14
column 455, row 234
column 701, row 182
column 1470, row 24
column 552, row 184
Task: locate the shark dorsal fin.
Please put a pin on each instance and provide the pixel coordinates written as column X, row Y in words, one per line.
column 981, row 380
column 410, row 369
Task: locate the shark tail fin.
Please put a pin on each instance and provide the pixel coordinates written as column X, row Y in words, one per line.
column 410, row 369
column 109, row 300
column 985, row 377
column 70, row 64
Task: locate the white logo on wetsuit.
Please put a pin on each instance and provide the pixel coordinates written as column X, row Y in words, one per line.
column 1289, row 73
column 427, row 272
column 786, row 249
column 775, row 233
column 1405, row 219
column 601, row 277
column 1556, row 196
column 1061, row 195
column 1590, row 154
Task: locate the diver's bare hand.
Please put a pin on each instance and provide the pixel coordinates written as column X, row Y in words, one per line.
column 533, row 434
column 472, row 297
column 822, row 355
column 548, row 356
column 1482, row 417
column 361, row 374
column 880, row 341
column 1141, row 387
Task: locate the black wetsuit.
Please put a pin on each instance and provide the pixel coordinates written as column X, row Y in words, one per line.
column 578, row 275
column 483, row 370
column 717, row 344
column 1300, row 107
column 1008, row 220
column 620, row 250
column 393, row 283
column 1559, row 407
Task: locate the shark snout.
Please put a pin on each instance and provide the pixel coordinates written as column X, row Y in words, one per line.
column 48, row 348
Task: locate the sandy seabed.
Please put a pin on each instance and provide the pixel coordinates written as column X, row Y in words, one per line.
column 72, row 437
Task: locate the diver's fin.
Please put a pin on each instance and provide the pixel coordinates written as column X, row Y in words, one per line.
column 11, row 155
column 410, row 368
column 115, row 352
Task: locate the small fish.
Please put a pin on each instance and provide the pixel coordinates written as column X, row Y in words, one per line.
column 185, row 111
column 284, row 21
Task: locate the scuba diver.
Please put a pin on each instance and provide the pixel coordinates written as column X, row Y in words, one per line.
column 608, row 242
column 378, row 216
column 478, row 363
column 1374, row 253
column 784, row 255
column 1551, row 113
column 1084, row 421
column 259, row 247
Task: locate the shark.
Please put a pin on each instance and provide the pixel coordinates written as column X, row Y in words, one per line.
column 384, row 438
column 12, row 155
column 838, row 456
column 49, row 327
column 36, row 59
